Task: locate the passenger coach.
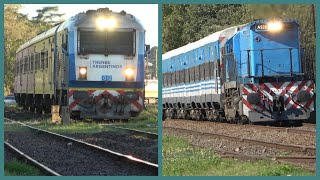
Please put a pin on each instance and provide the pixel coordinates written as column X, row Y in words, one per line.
column 93, row 63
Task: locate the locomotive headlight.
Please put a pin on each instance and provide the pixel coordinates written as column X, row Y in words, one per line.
column 103, row 23
column 83, row 73
column 275, row 26
column 129, row 72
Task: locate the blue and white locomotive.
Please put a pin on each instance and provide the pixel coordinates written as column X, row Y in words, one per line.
column 93, row 63
column 247, row 73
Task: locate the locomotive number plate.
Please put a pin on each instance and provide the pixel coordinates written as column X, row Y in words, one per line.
column 263, row 27
column 106, row 77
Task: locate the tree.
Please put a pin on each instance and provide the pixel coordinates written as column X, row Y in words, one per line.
column 17, row 30
column 48, row 14
column 47, row 17
column 183, row 24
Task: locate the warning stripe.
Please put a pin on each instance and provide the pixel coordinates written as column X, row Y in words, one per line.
column 268, row 90
column 112, row 94
column 134, row 102
column 246, row 92
column 307, row 105
column 289, row 99
column 296, row 104
column 255, row 89
column 75, row 102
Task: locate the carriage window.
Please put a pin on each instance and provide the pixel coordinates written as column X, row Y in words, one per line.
column 32, row 62
column 37, row 61
column 25, row 64
column 116, row 42
column 46, row 59
column 42, row 60
column 20, row 66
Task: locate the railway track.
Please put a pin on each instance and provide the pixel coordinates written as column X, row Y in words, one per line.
column 296, row 148
column 138, row 132
column 301, row 156
column 309, row 125
column 285, row 129
column 306, row 162
column 22, row 156
column 111, row 163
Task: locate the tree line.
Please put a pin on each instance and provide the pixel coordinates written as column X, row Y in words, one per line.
column 18, row 29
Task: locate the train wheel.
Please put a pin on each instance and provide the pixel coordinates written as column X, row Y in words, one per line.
column 243, row 120
column 32, row 108
column 39, row 110
column 47, row 109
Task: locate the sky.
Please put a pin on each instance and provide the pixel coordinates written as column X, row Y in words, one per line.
column 146, row 13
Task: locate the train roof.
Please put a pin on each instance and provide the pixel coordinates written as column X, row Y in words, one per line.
column 215, row 37
column 206, row 40
column 74, row 18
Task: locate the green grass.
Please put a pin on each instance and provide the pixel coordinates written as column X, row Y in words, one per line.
column 147, row 120
column 16, row 168
column 181, row 159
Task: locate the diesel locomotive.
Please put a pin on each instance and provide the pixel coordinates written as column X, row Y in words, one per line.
column 92, row 63
column 247, row 73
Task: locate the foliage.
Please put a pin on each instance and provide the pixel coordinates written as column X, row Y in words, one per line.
column 183, row 23
column 147, row 120
column 47, row 17
column 18, row 29
column 16, row 168
column 181, row 159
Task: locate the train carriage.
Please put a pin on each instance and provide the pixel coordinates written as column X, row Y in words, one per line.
column 93, row 63
column 247, row 73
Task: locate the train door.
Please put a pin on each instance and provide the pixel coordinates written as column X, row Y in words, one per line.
column 50, row 64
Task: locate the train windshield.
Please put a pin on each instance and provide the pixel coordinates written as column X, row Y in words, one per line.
column 102, row 42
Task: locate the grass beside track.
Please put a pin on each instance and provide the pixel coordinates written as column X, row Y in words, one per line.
column 181, row 159
column 147, row 120
column 16, row 168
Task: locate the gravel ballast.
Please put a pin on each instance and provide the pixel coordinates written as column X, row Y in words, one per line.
column 70, row 159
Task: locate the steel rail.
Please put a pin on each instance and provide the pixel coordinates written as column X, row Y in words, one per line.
column 286, row 129
column 153, row 167
column 139, row 132
column 30, row 160
column 295, row 160
column 296, row 148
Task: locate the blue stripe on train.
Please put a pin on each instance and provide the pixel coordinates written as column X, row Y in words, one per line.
column 195, row 90
column 106, row 84
column 72, row 69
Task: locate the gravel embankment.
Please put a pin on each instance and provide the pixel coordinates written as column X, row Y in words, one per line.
column 246, row 131
column 230, row 146
column 136, row 146
column 70, row 159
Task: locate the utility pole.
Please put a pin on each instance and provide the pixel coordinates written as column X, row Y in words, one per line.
column 156, row 74
column 314, row 19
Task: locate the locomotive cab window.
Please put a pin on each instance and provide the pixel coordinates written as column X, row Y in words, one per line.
column 101, row 42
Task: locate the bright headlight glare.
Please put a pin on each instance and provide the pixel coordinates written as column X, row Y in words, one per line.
column 275, row 26
column 106, row 23
column 83, row 70
column 129, row 72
